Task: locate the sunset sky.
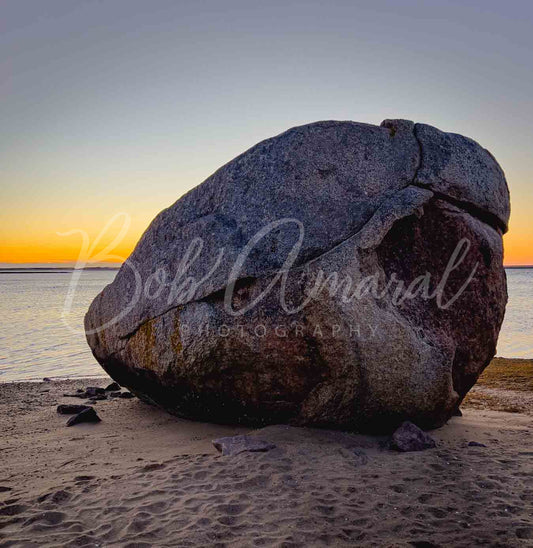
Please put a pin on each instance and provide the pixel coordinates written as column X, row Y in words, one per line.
column 124, row 105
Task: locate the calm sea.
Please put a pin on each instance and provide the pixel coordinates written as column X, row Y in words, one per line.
column 38, row 339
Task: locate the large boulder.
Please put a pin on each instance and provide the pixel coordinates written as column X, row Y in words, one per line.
column 339, row 274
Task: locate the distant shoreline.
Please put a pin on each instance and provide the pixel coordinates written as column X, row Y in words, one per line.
column 53, row 269
column 63, row 269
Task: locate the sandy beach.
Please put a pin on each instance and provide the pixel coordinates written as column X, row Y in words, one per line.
column 142, row 477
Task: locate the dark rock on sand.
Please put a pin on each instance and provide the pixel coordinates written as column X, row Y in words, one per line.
column 92, row 391
column 366, row 205
column 234, row 445
column 476, row 444
column 71, row 409
column 408, row 437
column 113, row 387
column 87, row 415
column 98, row 397
column 360, row 456
column 126, row 395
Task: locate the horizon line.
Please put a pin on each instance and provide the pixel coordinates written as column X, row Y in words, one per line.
column 110, row 264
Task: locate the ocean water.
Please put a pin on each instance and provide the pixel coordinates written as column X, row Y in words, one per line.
column 516, row 335
column 39, row 337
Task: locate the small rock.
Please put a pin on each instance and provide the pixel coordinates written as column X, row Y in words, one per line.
column 87, row 415
column 476, row 444
column 233, row 445
column 113, row 387
column 126, row 395
column 97, row 397
column 91, row 391
column 114, row 394
column 47, row 379
column 360, row 456
column 77, row 395
column 408, row 437
column 71, row 409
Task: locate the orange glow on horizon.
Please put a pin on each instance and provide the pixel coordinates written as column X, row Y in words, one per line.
column 51, row 248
